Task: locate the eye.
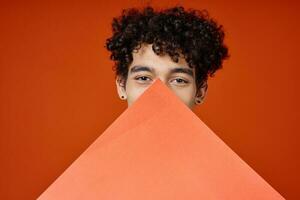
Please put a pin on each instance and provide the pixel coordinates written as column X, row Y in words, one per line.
column 142, row 78
column 181, row 81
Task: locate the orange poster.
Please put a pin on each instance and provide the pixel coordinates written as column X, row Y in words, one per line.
column 159, row 149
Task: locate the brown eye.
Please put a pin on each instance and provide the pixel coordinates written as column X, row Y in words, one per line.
column 181, row 81
column 142, row 78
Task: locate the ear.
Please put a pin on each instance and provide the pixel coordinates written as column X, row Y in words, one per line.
column 201, row 93
column 121, row 87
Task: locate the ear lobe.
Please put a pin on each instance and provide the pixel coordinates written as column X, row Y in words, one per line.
column 120, row 83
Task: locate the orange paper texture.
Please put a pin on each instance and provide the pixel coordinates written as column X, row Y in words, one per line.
column 159, row 149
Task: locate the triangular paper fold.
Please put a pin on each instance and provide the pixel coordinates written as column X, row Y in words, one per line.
column 159, row 149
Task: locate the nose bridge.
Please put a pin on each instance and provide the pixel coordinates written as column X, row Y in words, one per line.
column 162, row 73
column 163, row 79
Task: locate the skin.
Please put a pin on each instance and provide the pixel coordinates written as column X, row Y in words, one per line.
column 146, row 67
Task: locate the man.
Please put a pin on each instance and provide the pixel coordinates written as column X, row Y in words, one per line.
column 180, row 47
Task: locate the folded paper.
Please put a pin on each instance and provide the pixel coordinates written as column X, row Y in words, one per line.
column 159, row 149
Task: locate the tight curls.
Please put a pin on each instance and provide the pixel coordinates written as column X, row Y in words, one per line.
column 173, row 31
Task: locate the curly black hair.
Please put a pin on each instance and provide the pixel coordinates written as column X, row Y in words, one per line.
column 175, row 31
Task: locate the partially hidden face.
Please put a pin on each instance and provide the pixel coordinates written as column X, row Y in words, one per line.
column 146, row 67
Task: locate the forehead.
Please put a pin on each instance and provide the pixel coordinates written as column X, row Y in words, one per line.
column 145, row 56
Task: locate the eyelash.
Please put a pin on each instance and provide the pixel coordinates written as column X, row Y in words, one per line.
column 137, row 78
column 182, row 80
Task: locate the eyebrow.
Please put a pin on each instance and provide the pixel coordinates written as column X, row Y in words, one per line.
column 187, row 71
column 139, row 68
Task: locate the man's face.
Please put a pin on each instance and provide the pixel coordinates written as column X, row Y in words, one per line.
column 146, row 67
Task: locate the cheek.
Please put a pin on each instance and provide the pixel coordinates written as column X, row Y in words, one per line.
column 134, row 90
column 185, row 94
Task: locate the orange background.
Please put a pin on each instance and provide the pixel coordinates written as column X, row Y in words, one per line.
column 58, row 94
